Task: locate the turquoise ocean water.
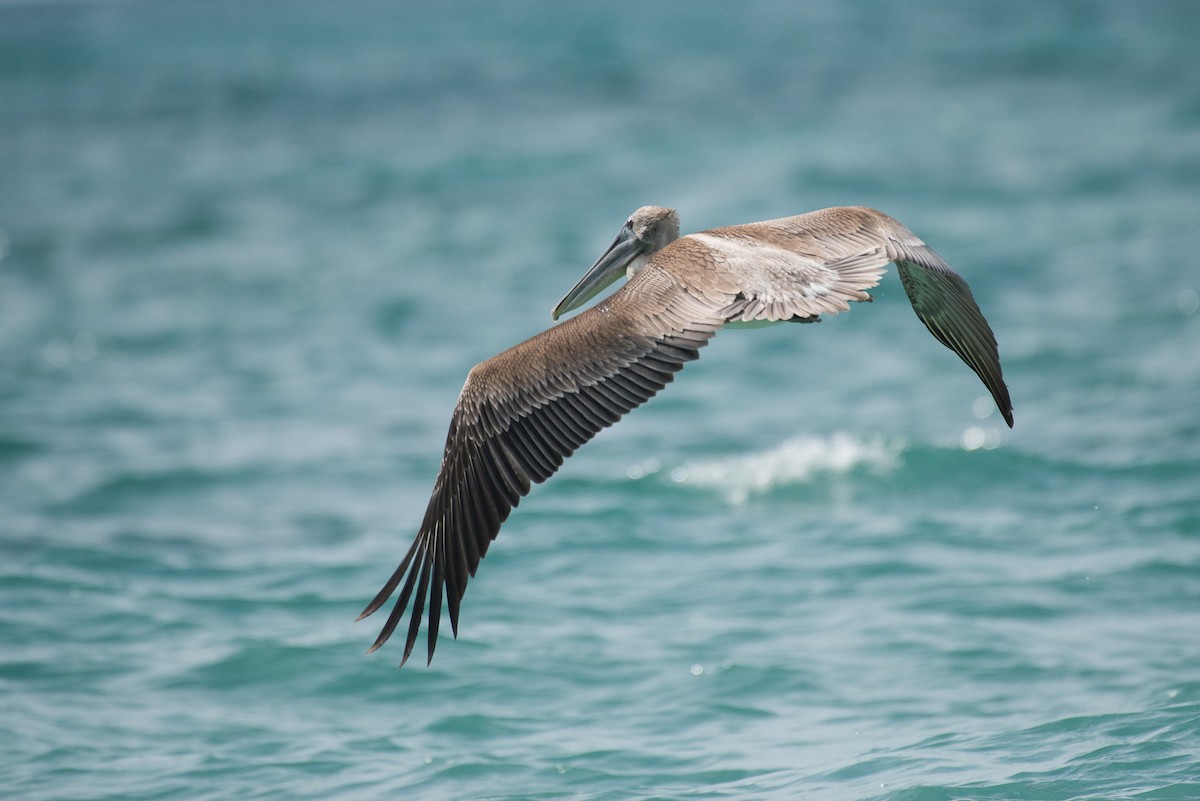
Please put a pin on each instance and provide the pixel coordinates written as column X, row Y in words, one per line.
column 249, row 252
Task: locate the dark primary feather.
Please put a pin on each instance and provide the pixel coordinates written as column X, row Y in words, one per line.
column 944, row 303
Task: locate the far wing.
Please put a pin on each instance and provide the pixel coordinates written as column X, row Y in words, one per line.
column 799, row 267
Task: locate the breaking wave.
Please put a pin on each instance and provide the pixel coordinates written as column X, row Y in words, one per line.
column 795, row 461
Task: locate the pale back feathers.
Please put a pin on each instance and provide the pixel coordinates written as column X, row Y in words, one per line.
column 521, row 413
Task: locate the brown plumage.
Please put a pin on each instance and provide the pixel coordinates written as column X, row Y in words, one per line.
column 521, row 413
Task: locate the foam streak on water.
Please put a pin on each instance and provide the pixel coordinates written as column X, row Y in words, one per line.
column 795, row 461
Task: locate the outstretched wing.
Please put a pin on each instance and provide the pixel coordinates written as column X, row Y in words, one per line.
column 815, row 263
column 521, row 413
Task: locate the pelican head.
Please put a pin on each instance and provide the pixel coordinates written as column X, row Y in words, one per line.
column 647, row 231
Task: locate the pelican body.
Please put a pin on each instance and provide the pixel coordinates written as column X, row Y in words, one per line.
column 521, row 413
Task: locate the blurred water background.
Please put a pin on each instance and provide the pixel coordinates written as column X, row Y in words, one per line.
column 250, row 250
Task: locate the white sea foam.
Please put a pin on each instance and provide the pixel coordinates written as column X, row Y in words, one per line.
column 795, row 461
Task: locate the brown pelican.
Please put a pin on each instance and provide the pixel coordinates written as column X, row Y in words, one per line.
column 522, row 412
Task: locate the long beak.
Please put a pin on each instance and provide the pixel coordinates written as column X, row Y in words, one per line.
column 608, row 268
